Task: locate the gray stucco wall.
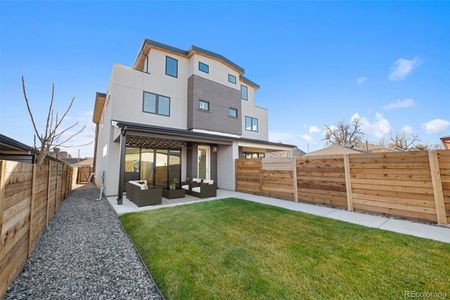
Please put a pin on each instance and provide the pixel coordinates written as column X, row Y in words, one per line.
column 220, row 98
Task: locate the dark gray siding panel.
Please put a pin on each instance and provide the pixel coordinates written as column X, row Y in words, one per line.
column 220, row 98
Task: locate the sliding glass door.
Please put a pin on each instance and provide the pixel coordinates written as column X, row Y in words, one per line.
column 158, row 166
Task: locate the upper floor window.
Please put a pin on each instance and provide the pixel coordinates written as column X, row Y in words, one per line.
column 203, row 67
column 232, row 112
column 231, row 78
column 171, row 66
column 244, row 92
column 156, row 104
column 251, row 124
column 203, row 105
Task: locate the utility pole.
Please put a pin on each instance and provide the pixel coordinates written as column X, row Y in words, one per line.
column 78, row 159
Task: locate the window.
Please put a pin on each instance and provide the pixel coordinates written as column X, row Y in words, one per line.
column 231, row 78
column 251, row 124
column 156, row 104
column 171, row 66
column 244, row 92
column 232, row 112
column 203, row 105
column 203, row 67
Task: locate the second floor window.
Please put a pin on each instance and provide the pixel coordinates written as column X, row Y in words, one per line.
column 231, row 78
column 171, row 66
column 203, row 105
column 251, row 124
column 232, row 112
column 244, row 92
column 203, row 67
column 156, row 104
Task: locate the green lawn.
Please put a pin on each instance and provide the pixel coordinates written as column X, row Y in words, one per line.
column 234, row 249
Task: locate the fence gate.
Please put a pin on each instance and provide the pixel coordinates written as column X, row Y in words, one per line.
column 83, row 174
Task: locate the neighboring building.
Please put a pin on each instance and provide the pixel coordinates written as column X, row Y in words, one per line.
column 446, row 142
column 79, row 162
column 11, row 149
column 295, row 152
column 177, row 114
column 332, row 150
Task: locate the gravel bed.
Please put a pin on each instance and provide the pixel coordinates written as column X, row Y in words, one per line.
column 84, row 253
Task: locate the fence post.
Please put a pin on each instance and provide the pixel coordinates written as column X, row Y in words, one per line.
column 294, row 170
column 33, row 196
column 2, row 192
column 48, row 190
column 348, row 183
column 437, row 187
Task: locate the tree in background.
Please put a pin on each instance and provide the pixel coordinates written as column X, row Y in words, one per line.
column 404, row 142
column 344, row 134
column 53, row 136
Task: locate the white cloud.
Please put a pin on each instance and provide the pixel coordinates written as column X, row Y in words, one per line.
column 436, row 126
column 402, row 67
column 405, row 103
column 361, row 80
column 379, row 128
column 307, row 138
column 313, row 129
column 408, row 130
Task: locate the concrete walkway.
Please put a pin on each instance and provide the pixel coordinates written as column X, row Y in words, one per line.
column 401, row 226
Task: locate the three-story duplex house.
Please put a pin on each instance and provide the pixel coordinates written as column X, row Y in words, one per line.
column 177, row 114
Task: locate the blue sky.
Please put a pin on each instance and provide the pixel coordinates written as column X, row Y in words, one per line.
column 317, row 63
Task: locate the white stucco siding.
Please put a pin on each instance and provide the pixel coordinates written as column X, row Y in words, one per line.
column 250, row 109
column 128, row 86
column 226, row 156
column 218, row 71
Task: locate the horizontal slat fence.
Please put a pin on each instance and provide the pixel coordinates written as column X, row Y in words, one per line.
column 412, row 185
column 28, row 196
column 322, row 181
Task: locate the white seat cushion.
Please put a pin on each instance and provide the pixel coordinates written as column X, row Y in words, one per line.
column 186, row 186
column 208, row 181
column 196, row 179
column 196, row 189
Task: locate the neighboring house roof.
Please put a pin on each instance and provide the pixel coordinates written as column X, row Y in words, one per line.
column 369, row 147
column 286, row 153
column 446, row 141
column 10, row 149
column 9, row 144
column 334, row 149
column 87, row 161
column 182, row 134
column 148, row 44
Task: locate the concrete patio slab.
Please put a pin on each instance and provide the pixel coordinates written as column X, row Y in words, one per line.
column 400, row 226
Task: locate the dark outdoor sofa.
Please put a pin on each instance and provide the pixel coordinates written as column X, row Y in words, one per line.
column 203, row 189
column 143, row 197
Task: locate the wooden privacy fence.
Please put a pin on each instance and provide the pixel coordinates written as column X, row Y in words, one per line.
column 413, row 185
column 83, row 174
column 29, row 197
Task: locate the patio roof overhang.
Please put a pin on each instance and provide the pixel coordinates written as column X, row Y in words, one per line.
column 176, row 134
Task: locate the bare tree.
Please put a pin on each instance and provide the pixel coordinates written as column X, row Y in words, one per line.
column 344, row 134
column 53, row 135
column 403, row 141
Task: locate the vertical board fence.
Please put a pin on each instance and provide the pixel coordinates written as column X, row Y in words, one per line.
column 29, row 196
column 413, row 185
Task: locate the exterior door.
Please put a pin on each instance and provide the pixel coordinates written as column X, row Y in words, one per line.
column 203, row 164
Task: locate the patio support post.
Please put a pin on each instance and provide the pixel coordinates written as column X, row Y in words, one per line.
column 123, row 138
